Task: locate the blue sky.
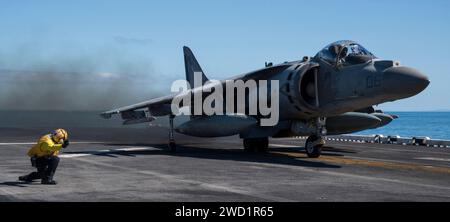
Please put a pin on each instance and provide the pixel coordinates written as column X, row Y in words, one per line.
column 232, row 37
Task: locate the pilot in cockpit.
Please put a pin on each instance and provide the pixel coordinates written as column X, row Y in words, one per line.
column 345, row 53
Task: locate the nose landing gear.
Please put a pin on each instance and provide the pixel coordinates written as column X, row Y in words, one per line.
column 314, row 143
column 313, row 146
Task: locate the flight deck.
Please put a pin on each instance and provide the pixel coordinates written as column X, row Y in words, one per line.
column 134, row 164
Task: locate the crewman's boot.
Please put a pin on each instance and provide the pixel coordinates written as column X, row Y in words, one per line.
column 30, row 177
column 25, row 179
column 48, row 181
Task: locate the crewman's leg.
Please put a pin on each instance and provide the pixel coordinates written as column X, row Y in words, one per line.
column 41, row 165
column 52, row 164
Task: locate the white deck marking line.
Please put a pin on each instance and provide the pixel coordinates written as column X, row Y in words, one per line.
column 433, row 158
column 91, row 153
column 75, row 155
column 32, row 143
column 6, row 144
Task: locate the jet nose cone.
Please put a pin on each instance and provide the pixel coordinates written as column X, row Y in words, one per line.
column 403, row 82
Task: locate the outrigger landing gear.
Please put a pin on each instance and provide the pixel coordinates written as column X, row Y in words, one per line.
column 314, row 143
column 172, row 144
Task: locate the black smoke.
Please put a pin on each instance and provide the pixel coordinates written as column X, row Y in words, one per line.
column 35, row 78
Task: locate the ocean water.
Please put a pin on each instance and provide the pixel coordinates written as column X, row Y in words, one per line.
column 435, row 125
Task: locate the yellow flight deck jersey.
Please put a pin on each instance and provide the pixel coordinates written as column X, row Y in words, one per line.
column 45, row 147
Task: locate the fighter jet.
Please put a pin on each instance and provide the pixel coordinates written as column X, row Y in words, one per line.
column 332, row 93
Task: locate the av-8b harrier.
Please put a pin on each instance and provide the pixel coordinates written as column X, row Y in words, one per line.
column 331, row 93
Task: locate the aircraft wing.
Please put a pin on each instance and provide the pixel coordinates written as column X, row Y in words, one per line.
column 161, row 106
column 156, row 107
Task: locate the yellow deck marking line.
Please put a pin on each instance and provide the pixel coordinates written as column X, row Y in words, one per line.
column 370, row 163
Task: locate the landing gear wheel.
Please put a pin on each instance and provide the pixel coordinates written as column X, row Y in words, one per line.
column 256, row 144
column 172, row 146
column 313, row 146
column 263, row 145
column 248, row 145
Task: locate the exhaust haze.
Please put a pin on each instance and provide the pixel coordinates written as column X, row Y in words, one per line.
column 36, row 78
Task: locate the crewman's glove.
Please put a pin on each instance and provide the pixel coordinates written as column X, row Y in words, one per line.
column 33, row 161
column 65, row 143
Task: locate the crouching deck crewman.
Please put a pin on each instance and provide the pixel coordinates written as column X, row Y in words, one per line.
column 44, row 156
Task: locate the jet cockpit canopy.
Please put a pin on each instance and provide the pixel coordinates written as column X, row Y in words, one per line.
column 344, row 53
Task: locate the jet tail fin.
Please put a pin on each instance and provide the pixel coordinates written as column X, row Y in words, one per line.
column 191, row 66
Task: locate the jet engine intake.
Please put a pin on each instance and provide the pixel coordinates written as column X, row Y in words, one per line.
column 303, row 92
column 308, row 89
